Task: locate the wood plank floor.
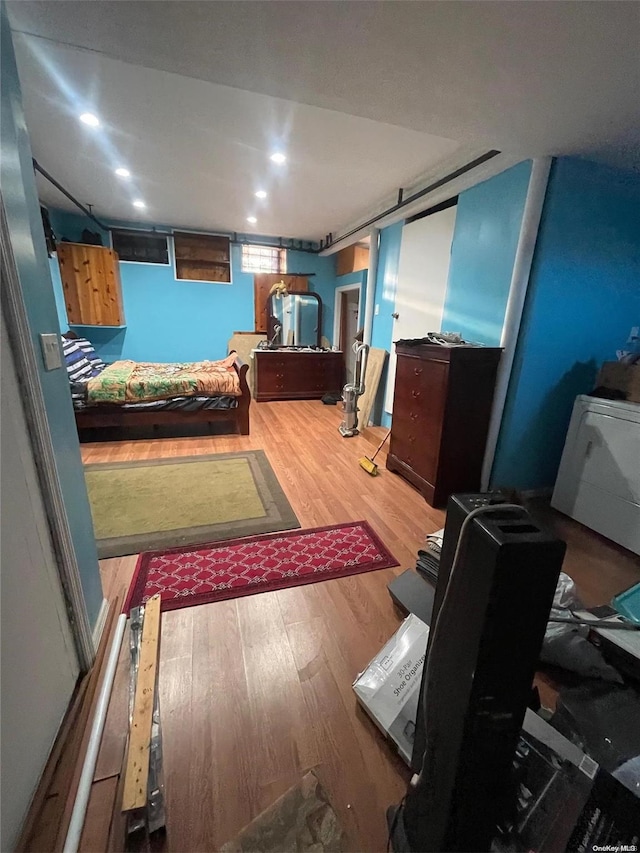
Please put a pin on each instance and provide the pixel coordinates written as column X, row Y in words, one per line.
column 256, row 691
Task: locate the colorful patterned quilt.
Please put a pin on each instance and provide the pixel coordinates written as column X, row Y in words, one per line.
column 141, row 381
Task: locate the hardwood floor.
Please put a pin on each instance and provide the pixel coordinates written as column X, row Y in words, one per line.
column 257, row 690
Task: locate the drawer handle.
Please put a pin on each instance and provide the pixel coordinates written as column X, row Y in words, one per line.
column 417, row 371
column 279, row 375
column 587, row 452
column 412, row 438
column 414, row 416
column 415, row 394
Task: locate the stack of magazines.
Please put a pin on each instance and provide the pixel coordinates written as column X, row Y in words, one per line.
column 429, row 557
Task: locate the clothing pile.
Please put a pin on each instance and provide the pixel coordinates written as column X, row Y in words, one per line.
column 429, row 557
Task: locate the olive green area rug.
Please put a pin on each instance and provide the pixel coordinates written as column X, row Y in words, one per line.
column 188, row 500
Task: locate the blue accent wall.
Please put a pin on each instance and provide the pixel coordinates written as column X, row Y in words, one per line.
column 385, row 299
column 358, row 277
column 323, row 283
column 171, row 320
column 27, row 239
column 483, row 250
column 583, row 299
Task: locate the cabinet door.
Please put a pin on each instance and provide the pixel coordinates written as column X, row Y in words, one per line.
column 262, row 284
column 91, row 284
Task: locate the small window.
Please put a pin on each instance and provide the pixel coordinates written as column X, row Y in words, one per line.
column 264, row 259
column 202, row 257
column 141, row 248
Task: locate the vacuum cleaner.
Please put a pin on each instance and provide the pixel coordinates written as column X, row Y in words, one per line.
column 352, row 391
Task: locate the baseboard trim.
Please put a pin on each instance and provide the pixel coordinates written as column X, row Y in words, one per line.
column 98, row 628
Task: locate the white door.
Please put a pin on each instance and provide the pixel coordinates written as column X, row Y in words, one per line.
column 39, row 662
column 423, row 271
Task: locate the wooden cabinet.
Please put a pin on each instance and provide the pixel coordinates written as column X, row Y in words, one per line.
column 352, row 259
column 91, row 284
column 283, row 375
column 202, row 257
column 262, row 284
column 441, row 409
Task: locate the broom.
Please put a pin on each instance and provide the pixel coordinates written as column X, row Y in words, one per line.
column 369, row 465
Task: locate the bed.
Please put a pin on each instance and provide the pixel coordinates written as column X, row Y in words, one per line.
column 128, row 393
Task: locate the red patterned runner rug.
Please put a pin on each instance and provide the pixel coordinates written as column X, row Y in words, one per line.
column 199, row 575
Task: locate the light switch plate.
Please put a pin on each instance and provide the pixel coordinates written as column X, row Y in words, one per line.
column 51, row 351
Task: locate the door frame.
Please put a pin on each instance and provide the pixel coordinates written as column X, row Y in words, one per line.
column 26, row 363
column 337, row 308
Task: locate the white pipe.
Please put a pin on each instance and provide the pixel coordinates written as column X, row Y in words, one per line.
column 533, row 205
column 76, row 824
column 372, row 274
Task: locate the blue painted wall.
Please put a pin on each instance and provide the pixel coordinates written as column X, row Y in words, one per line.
column 359, row 277
column 583, row 298
column 171, row 320
column 484, row 243
column 323, row 283
column 27, row 238
column 385, row 298
column 483, row 250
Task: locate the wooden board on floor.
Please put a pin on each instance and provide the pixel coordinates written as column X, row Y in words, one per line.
column 116, row 727
column 375, row 366
column 137, row 765
column 68, row 781
column 95, row 834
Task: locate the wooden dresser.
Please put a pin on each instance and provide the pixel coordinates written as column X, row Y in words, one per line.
column 297, row 375
column 441, row 409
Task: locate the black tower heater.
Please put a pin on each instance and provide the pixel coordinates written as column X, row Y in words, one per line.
column 481, row 658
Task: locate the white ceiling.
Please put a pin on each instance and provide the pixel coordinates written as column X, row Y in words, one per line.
column 528, row 78
column 198, row 151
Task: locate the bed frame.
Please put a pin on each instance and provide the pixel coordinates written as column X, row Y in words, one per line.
column 115, row 416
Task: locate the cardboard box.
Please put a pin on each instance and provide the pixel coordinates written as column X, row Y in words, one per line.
column 389, row 687
column 621, row 377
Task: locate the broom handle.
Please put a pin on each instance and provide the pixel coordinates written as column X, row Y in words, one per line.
column 380, row 445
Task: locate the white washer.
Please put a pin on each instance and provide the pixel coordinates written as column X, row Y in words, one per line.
column 598, row 481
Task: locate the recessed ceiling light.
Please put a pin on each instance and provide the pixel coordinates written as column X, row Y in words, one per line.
column 278, row 157
column 261, row 194
column 139, row 203
column 123, row 173
column 252, row 219
column 90, row 119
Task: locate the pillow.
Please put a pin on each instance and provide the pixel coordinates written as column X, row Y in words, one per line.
column 81, row 360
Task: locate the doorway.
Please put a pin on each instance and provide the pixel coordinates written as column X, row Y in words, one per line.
column 346, row 324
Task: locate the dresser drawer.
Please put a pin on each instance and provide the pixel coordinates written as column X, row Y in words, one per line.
column 270, row 370
column 420, row 381
column 409, row 450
